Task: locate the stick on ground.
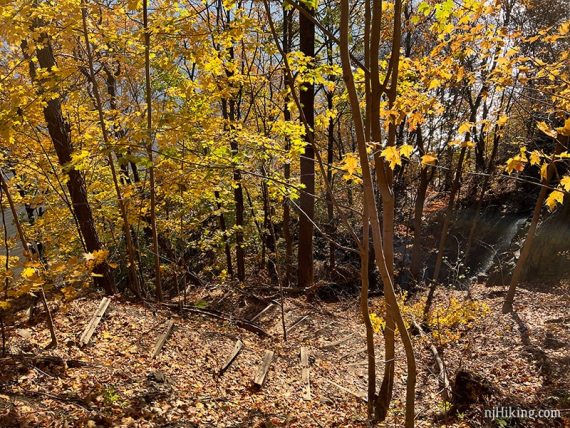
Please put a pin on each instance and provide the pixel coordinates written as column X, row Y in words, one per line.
column 443, row 379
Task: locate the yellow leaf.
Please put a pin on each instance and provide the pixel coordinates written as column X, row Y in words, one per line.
column 406, row 150
column 565, row 183
column 544, row 171
column 545, row 128
column 514, row 164
column 465, row 127
column 28, row 272
column 555, row 197
column 351, row 165
column 565, row 130
column 429, row 159
column 392, row 155
column 535, row 157
column 502, row 120
column 435, row 83
column 134, row 4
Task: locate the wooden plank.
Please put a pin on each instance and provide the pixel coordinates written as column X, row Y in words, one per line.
column 162, row 339
column 342, row 388
column 353, row 352
column 338, row 342
column 268, row 307
column 237, row 348
column 297, row 323
column 94, row 322
column 263, row 369
column 305, row 373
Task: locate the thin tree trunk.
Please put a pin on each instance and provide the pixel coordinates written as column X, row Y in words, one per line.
column 287, row 31
column 223, row 228
column 28, row 255
column 149, row 148
column 370, row 203
column 364, row 251
column 132, row 268
column 527, row 246
column 307, row 202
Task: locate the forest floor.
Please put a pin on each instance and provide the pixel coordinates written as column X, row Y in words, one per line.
column 525, row 358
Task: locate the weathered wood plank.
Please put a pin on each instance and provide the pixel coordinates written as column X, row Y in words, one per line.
column 263, row 369
column 338, row 342
column 360, row 396
column 94, row 321
column 237, row 348
column 162, row 338
column 305, row 373
column 268, row 307
column 297, row 323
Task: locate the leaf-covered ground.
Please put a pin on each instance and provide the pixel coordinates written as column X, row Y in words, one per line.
column 524, row 358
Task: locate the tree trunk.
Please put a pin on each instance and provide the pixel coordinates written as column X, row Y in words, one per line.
column 149, row 148
column 59, row 132
column 307, row 200
column 527, row 246
column 371, row 207
column 287, row 31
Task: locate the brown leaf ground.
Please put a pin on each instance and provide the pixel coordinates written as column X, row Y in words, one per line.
column 525, row 358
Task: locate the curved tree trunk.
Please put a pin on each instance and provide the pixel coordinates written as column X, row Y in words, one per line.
column 59, row 132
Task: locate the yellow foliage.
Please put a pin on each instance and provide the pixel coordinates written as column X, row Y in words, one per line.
column 429, row 159
column 565, row 130
column 546, row 129
column 406, row 150
column 392, row 155
column 447, row 321
column 555, row 197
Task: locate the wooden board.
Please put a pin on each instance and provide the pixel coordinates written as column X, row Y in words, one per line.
column 162, row 338
column 237, row 348
column 94, row 322
column 297, row 323
column 305, row 373
column 263, row 369
column 268, row 307
column 360, row 396
column 338, row 342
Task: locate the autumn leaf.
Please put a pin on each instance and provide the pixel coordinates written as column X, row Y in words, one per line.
column 429, row 159
column 514, row 164
column 544, row 171
column 502, row 120
column 565, row 130
column 351, row 165
column 465, row 127
column 555, row 197
column 565, row 183
column 535, row 157
column 406, row 150
column 392, row 155
column 546, row 129
column 28, row 272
